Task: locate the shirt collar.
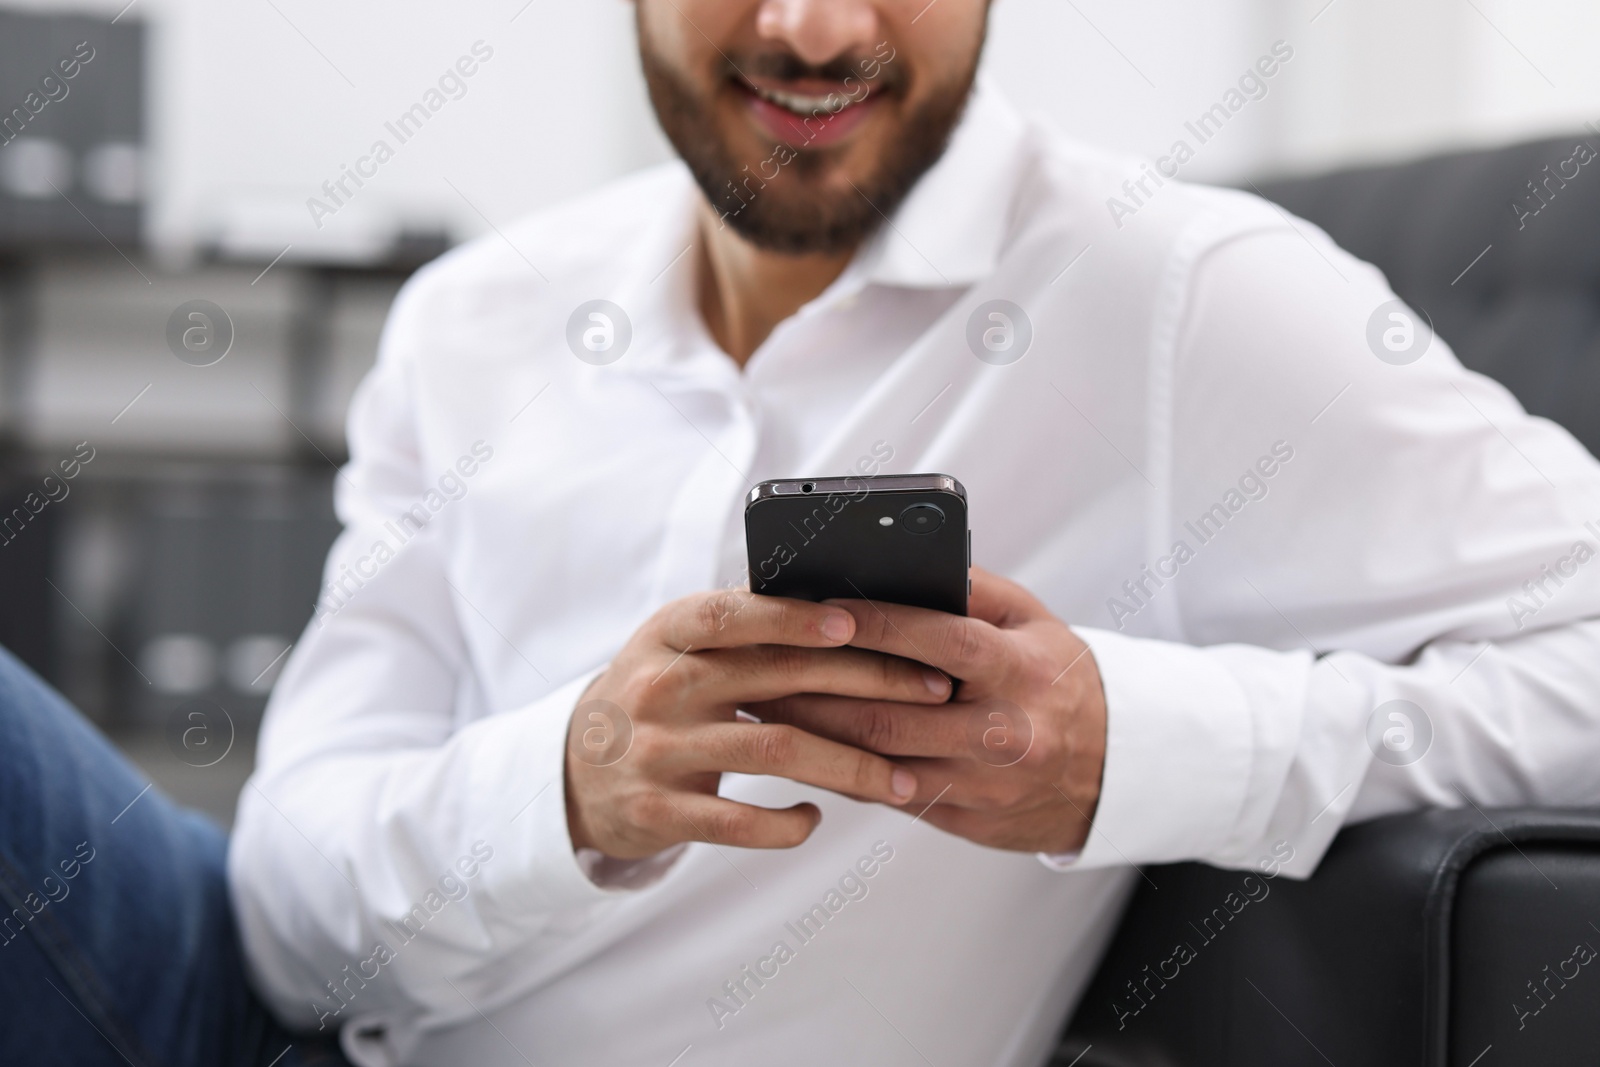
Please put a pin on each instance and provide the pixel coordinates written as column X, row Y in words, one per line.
column 951, row 229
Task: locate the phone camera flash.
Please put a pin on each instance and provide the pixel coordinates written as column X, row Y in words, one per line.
column 887, row 520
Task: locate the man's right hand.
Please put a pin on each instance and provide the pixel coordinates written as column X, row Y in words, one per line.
column 677, row 683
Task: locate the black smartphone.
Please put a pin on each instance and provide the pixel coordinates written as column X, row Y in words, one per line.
column 899, row 538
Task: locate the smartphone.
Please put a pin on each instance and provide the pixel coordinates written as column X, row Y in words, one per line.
column 898, row 538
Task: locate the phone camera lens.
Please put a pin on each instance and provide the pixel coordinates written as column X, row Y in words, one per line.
column 806, row 487
column 921, row 518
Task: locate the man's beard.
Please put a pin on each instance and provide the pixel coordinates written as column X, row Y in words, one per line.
column 783, row 211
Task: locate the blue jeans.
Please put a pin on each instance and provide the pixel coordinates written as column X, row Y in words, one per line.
column 117, row 941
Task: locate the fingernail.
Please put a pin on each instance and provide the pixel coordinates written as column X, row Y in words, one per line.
column 938, row 684
column 836, row 627
column 904, row 783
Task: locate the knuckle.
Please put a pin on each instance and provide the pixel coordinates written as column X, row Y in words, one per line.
column 787, row 618
column 650, row 745
column 674, row 679
column 1000, row 793
column 981, row 795
column 686, row 672
column 1017, row 663
column 894, row 673
column 629, row 680
column 1014, row 792
column 883, row 631
column 642, row 699
column 641, row 808
column 985, row 800
column 774, row 745
column 962, row 642
column 1046, row 749
column 713, row 610
column 785, row 662
column 879, row 728
column 730, row 824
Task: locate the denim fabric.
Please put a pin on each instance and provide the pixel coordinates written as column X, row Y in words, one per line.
column 117, row 941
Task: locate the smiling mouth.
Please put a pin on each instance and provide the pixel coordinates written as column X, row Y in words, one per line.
column 807, row 105
column 806, row 119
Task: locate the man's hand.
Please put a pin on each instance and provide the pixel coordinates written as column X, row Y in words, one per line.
column 653, row 735
column 1014, row 760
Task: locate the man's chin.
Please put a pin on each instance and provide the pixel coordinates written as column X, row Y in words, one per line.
column 815, row 202
column 804, row 225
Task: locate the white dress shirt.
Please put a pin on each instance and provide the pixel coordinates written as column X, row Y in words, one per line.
column 1354, row 532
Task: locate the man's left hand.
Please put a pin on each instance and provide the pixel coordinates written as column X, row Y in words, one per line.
column 1014, row 760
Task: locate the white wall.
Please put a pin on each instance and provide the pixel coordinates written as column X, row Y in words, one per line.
column 1371, row 79
column 1391, row 79
column 256, row 120
column 1129, row 75
column 252, row 110
column 249, row 119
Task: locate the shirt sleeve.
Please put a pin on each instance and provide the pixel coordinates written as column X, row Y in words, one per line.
column 385, row 854
column 1370, row 586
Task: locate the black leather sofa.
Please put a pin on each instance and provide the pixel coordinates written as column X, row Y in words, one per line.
column 1459, row 938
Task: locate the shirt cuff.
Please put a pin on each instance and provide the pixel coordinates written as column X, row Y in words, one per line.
column 608, row 872
column 1060, row 861
column 1179, row 746
column 550, row 877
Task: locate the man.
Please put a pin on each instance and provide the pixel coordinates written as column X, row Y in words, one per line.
column 542, row 783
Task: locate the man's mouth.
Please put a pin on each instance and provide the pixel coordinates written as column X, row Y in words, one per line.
column 812, row 118
column 805, row 103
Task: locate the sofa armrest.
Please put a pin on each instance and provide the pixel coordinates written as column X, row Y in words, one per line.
column 1412, row 944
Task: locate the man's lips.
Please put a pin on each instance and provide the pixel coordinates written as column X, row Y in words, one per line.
column 807, row 116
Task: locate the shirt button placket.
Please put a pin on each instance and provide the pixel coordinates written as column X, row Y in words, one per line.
column 701, row 510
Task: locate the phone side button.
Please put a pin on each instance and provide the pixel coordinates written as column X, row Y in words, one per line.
column 969, row 547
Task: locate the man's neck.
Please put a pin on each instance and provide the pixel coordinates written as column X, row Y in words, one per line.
column 746, row 291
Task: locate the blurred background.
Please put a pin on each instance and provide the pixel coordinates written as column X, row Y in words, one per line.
column 188, row 297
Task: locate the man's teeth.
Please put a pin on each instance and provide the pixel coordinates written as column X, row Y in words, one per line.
column 803, row 104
